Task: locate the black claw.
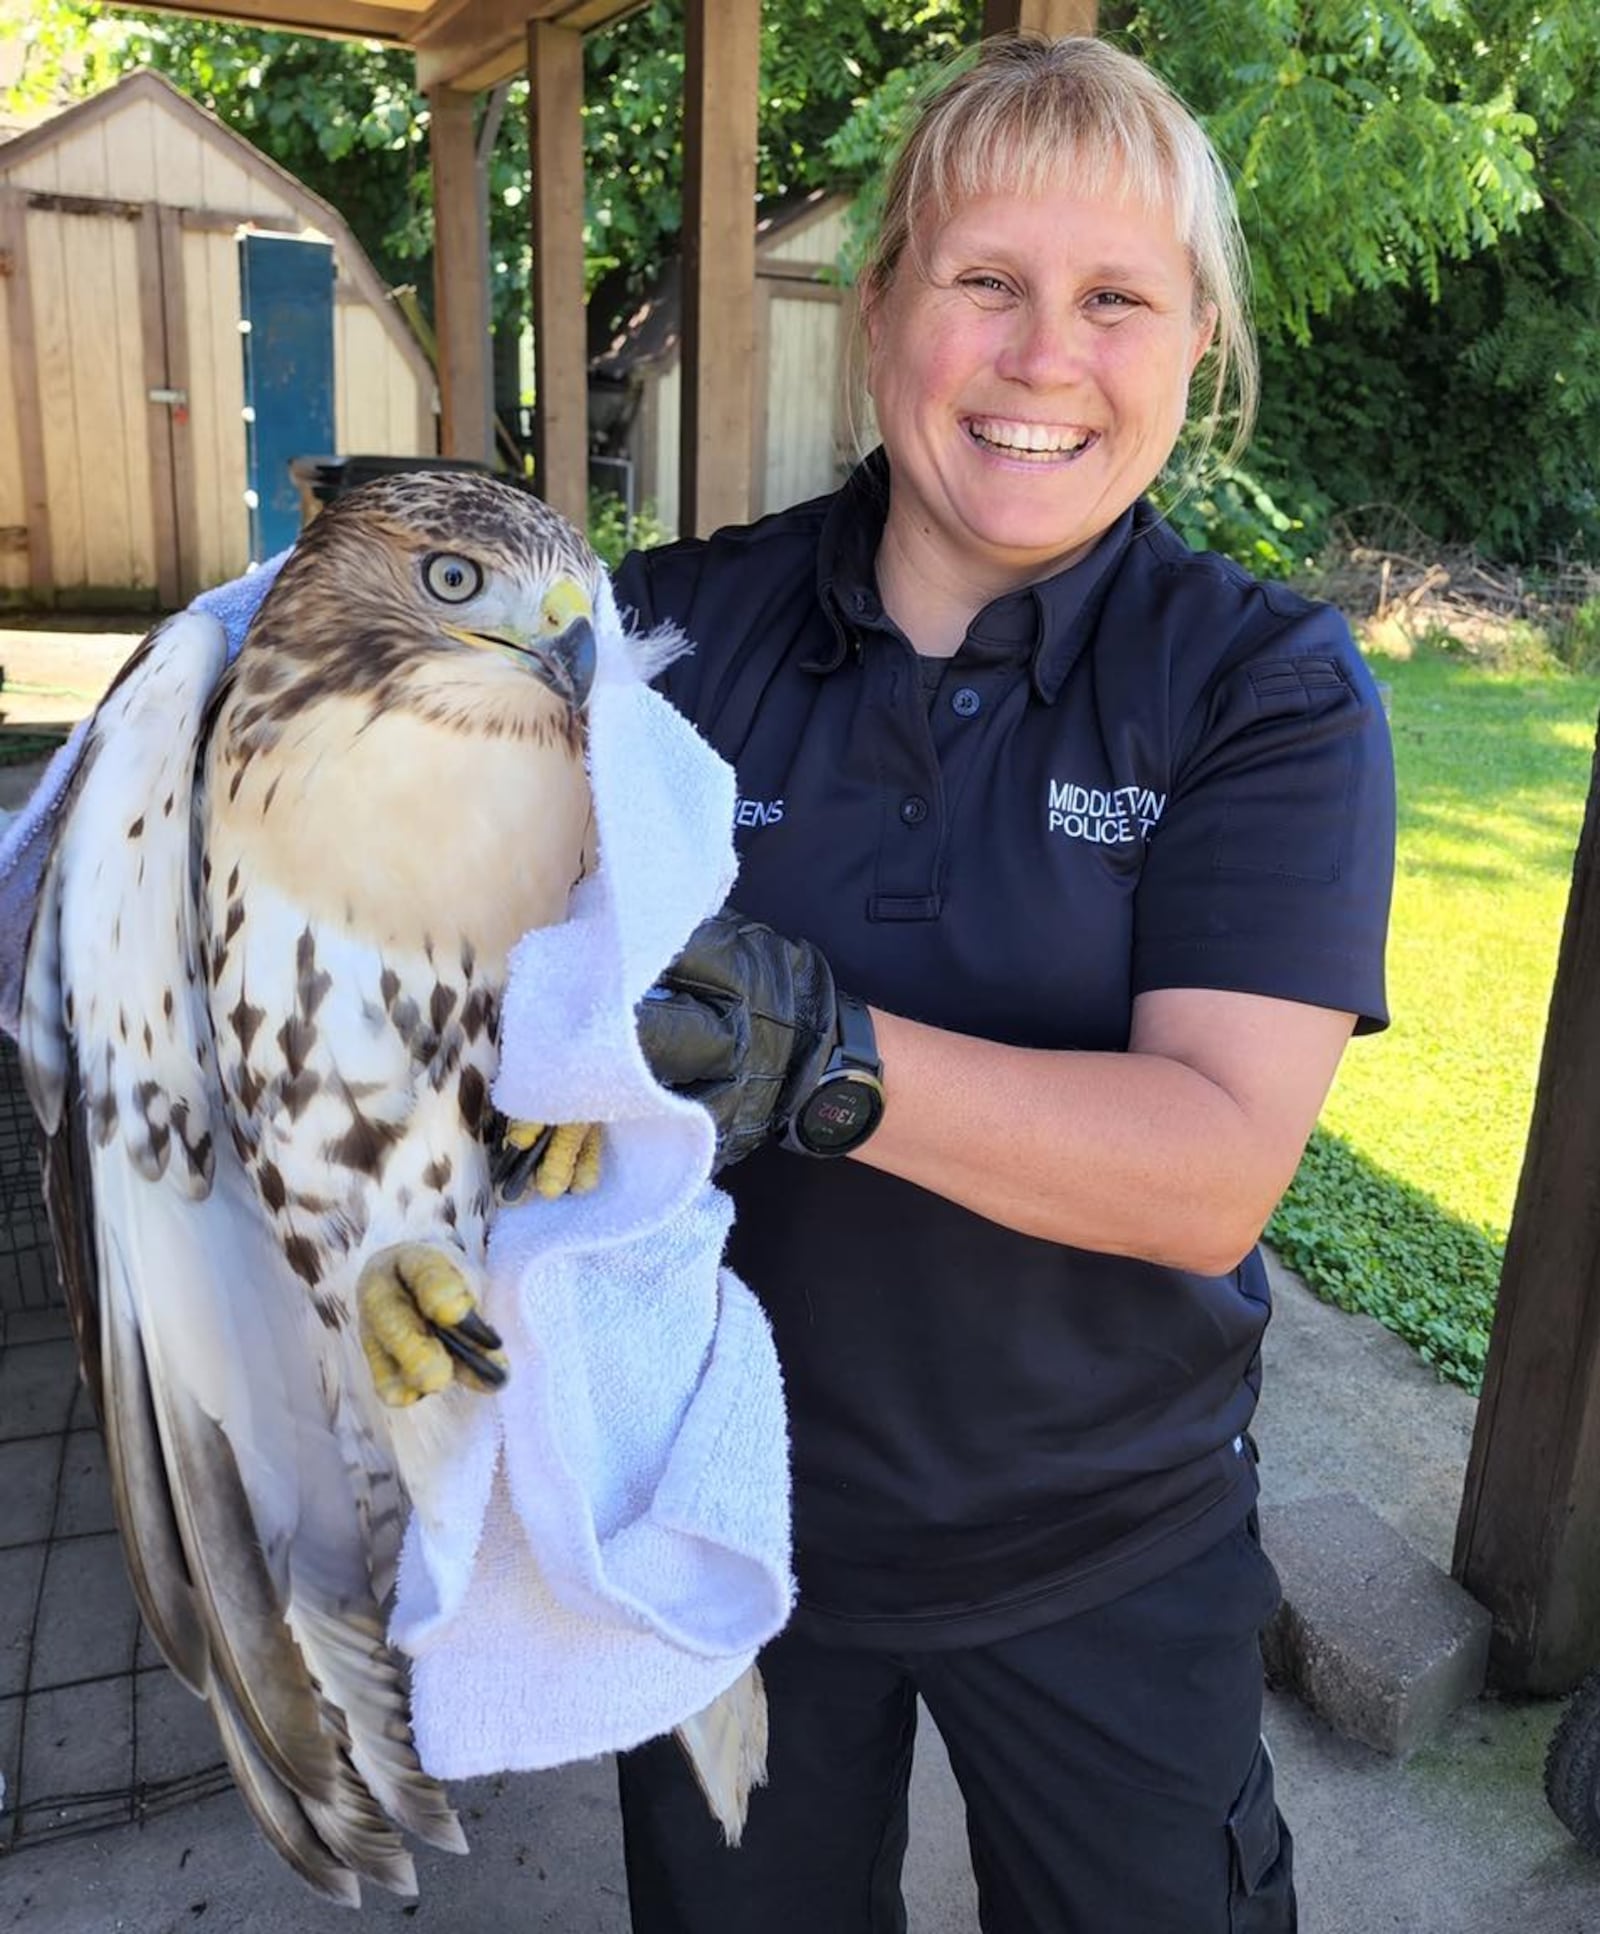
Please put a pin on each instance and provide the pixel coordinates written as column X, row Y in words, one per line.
column 512, row 1169
column 476, row 1330
column 482, row 1365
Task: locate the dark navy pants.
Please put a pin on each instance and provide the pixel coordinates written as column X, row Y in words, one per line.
column 1112, row 1768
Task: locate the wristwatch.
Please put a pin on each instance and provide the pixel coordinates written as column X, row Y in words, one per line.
column 846, row 1105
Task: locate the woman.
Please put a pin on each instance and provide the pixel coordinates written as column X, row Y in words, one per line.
column 1095, row 835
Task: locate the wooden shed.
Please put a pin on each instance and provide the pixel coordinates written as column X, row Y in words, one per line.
column 179, row 312
column 802, row 441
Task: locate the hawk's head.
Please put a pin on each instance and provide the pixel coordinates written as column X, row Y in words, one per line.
column 439, row 590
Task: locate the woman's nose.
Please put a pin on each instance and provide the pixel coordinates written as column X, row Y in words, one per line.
column 1048, row 347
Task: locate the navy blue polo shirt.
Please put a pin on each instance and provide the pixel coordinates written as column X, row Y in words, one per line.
column 1148, row 771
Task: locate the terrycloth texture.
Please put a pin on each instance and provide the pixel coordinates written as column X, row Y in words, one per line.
column 26, row 839
column 635, row 1552
column 619, row 1543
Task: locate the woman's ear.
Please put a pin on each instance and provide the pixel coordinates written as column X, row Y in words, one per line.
column 1205, row 332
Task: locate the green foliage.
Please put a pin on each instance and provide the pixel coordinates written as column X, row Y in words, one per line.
column 1477, row 416
column 1578, row 642
column 1225, row 507
column 1368, row 1241
column 613, row 533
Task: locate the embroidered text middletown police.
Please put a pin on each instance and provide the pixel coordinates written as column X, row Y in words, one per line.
column 1103, row 815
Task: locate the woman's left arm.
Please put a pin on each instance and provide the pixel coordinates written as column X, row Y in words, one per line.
column 1175, row 1151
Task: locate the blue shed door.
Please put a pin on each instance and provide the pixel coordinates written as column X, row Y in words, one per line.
column 286, row 302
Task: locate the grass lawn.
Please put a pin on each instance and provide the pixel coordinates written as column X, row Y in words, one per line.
column 1402, row 1205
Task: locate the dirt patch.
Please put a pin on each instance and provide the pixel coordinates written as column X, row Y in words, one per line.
column 56, row 673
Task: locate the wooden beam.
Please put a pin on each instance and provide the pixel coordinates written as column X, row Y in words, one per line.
column 475, row 43
column 459, row 41
column 722, row 40
column 1053, row 18
column 335, row 19
column 163, row 493
column 560, row 358
column 1528, row 1538
column 186, row 502
column 25, row 392
column 460, row 281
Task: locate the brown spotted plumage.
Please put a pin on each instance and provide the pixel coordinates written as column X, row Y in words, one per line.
column 266, row 1101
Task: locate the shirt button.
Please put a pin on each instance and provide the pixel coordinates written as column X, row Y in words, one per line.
column 913, row 809
column 965, row 703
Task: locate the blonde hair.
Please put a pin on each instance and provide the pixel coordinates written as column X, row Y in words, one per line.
column 1027, row 114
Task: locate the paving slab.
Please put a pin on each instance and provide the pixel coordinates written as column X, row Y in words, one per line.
column 1371, row 1635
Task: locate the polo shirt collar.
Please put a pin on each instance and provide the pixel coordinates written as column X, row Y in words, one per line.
column 1047, row 622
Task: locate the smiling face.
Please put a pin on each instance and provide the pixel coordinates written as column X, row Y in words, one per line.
column 1030, row 364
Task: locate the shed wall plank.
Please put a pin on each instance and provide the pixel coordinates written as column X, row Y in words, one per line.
column 123, row 350
column 668, row 448
column 58, row 403
column 94, row 327
column 39, row 172
column 128, row 142
column 363, row 373
column 13, row 495
column 817, row 241
column 216, row 385
column 802, row 378
column 175, row 156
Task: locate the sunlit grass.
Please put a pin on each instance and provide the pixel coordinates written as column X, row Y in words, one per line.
column 1493, row 772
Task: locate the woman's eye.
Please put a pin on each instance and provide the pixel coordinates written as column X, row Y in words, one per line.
column 985, row 284
column 451, row 579
column 1112, row 299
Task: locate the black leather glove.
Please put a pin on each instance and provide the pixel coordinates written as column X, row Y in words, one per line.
column 744, row 1022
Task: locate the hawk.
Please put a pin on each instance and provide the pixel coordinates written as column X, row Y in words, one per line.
column 259, row 1030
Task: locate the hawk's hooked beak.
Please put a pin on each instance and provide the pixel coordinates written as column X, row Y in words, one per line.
column 563, row 660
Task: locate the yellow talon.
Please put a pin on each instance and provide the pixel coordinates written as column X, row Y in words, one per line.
column 420, row 1327
column 568, row 1163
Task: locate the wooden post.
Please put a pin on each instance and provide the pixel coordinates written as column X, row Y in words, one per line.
column 1528, row 1538
column 1051, row 17
column 722, row 44
column 560, row 358
column 25, row 389
column 460, row 286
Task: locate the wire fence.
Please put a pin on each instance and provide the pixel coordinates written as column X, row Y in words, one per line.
column 94, row 1731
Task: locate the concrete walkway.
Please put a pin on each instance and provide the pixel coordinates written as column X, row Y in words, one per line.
column 125, row 1821
column 1457, row 1840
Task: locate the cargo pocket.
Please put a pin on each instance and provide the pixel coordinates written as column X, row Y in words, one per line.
column 1261, row 1851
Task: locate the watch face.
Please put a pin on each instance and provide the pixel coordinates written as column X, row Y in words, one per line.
column 841, row 1113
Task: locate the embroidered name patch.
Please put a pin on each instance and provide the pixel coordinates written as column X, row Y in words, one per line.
column 1103, row 815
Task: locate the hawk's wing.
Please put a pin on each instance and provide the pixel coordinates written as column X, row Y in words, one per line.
column 242, row 1486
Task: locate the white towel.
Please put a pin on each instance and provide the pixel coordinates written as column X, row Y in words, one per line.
column 631, row 1554
column 635, row 1549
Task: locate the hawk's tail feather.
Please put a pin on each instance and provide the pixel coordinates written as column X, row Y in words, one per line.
column 278, row 1812
column 726, row 1746
column 359, row 1672
column 142, row 1498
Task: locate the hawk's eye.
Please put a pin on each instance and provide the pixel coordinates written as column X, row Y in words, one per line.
column 451, row 579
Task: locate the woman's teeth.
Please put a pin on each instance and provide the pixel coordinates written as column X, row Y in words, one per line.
column 1038, row 440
